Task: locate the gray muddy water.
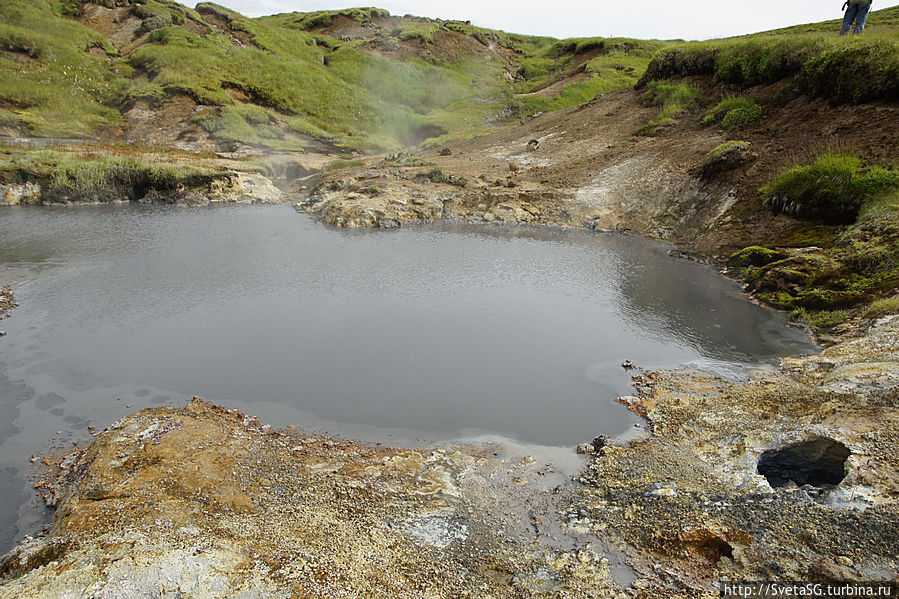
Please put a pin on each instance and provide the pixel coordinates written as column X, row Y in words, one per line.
column 425, row 333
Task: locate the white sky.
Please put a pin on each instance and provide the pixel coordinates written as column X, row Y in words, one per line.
column 646, row 19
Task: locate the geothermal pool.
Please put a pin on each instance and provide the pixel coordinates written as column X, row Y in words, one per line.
column 422, row 334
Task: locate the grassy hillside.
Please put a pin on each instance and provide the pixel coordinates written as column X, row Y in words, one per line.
column 359, row 77
column 57, row 76
column 363, row 79
column 843, row 69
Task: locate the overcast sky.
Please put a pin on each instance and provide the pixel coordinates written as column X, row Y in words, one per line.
column 661, row 19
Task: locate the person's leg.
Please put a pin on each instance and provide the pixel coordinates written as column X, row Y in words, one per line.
column 848, row 18
column 861, row 17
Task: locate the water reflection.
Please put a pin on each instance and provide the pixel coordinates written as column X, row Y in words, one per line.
column 432, row 332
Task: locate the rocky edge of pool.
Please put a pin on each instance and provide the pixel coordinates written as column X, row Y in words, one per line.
column 789, row 475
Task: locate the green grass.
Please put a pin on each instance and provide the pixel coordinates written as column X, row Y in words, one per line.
column 620, row 63
column 324, row 18
column 820, row 320
column 733, row 112
column 50, row 85
column 672, row 99
column 844, row 69
column 297, row 85
column 85, row 171
column 415, row 30
column 882, row 307
column 338, row 165
column 59, row 77
column 832, row 188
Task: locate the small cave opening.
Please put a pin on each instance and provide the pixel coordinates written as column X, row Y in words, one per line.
column 820, row 462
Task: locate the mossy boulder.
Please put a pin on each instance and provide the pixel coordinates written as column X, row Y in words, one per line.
column 788, row 283
column 755, row 255
column 727, row 156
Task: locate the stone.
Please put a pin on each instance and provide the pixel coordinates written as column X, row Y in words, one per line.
column 600, row 441
column 586, row 448
column 15, row 194
column 245, row 188
column 662, row 489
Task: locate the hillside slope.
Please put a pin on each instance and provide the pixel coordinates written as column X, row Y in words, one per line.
column 157, row 71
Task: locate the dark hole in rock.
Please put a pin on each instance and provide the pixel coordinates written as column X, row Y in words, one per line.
column 820, row 462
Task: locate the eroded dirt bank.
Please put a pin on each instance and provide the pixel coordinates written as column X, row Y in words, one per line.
column 206, row 502
column 586, row 167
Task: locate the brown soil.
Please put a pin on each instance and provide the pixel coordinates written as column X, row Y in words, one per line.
column 238, row 38
column 170, row 123
column 447, row 47
column 343, row 27
column 117, row 24
column 590, row 169
column 21, row 57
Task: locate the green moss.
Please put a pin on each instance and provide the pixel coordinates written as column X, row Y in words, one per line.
column 733, row 112
column 755, row 256
column 723, row 155
column 777, row 299
column 860, row 268
column 672, row 99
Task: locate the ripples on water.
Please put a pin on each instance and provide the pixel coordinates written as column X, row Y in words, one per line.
column 430, row 332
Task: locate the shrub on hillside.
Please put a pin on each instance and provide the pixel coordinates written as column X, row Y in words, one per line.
column 733, row 112
column 830, row 189
column 672, row 100
column 856, row 70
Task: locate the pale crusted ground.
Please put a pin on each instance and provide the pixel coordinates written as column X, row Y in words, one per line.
column 689, row 506
column 207, row 503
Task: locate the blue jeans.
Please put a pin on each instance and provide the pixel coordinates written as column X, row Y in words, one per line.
column 857, row 13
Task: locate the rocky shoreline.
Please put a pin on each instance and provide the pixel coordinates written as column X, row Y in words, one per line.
column 208, row 502
column 231, row 187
